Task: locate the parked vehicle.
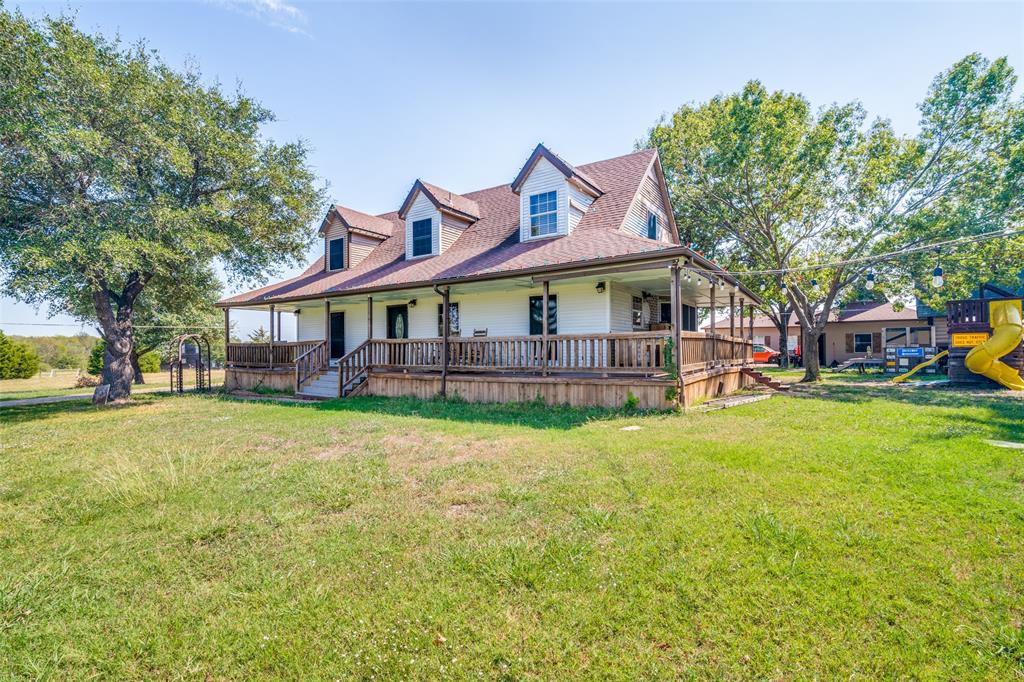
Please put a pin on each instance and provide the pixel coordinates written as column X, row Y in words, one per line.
column 764, row 354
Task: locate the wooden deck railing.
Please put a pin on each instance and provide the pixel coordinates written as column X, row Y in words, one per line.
column 625, row 353
column 284, row 355
column 309, row 364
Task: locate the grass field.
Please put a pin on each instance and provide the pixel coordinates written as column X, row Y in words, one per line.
column 858, row 532
column 63, row 383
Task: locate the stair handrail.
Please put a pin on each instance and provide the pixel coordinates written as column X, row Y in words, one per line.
column 352, row 365
column 310, row 363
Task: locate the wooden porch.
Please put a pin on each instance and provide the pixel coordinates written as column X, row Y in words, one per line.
column 637, row 357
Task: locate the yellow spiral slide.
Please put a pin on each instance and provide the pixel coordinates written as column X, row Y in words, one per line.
column 1007, row 333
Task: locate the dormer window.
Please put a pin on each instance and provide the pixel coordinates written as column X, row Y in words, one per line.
column 543, row 214
column 652, row 224
column 336, row 254
column 422, row 237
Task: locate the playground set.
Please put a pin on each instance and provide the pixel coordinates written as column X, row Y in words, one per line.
column 986, row 341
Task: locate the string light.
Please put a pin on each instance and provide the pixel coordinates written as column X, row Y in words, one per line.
column 785, row 289
column 815, row 287
column 870, row 284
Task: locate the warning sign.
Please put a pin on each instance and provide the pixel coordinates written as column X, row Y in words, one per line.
column 969, row 340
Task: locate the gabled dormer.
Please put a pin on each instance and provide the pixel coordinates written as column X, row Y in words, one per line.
column 650, row 215
column 553, row 195
column 434, row 218
column 349, row 237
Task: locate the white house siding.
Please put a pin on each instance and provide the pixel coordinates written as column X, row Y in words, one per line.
column 543, row 178
column 335, row 230
column 649, row 198
column 579, row 202
column 451, row 229
column 421, row 209
column 359, row 247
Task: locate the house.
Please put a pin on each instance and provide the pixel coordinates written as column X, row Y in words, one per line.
column 860, row 329
column 569, row 284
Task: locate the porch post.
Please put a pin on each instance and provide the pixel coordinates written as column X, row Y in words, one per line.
column 271, row 336
column 327, row 328
column 369, row 317
column 742, row 311
column 677, row 328
column 227, row 333
column 732, row 313
column 750, row 328
column 544, row 330
column 714, row 332
column 279, row 331
column 446, row 324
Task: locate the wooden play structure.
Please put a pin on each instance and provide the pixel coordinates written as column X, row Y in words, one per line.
column 986, row 340
column 181, row 360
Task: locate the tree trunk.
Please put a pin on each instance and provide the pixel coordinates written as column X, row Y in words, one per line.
column 783, row 328
column 117, row 364
column 812, row 363
column 136, row 370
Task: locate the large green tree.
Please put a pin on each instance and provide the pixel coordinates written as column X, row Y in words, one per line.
column 781, row 186
column 121, row 176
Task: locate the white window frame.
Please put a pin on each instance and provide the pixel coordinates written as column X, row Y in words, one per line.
column 657, row 227
column 534, row 233
column 412, row 239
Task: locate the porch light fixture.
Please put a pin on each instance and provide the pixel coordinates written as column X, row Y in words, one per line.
column 600, row 287
column 297, row 311
column 870, row 283
column 412, row 303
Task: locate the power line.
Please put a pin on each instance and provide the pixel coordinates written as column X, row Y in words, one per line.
column 862, row 260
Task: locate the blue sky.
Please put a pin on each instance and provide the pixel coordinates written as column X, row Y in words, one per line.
column 459, row 93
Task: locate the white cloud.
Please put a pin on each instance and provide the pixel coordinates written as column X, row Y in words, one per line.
column 275, row 13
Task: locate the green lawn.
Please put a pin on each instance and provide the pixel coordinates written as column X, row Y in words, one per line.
column 868, row 532
column 63, row 383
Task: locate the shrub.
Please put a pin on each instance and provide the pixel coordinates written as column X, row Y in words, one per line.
column 632, row 403
column 149, row 362
column 95, row 365
column 86, row 381
column 17, row 359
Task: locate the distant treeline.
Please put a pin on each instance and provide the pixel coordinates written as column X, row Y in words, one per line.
column 60, row 352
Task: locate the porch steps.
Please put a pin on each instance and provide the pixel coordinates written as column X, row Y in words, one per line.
column 324, row 387
column 764, row 381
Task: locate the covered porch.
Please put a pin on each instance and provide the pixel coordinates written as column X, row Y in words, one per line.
column 628, row 326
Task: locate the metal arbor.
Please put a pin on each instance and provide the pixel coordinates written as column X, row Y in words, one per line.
column 179, row 362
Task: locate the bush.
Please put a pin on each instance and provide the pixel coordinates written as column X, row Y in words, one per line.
column 86, row 381
column 149, row 362
column 17, row 359
column 95, row 366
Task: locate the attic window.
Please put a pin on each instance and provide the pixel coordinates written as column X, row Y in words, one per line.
column 336, row 254
column 422, row 237
column 652, row 224
column 543, row 214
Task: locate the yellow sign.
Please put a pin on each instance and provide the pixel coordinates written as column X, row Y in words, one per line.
column 969, row 340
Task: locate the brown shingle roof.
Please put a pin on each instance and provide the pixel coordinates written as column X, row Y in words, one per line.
column 491, row 245
column 357, row 220
column 566, row 168
column 861, row 311
column 441, row 198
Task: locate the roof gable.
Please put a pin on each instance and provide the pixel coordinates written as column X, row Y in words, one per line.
column 357, row 221
column 442, row 199
column 571, row 173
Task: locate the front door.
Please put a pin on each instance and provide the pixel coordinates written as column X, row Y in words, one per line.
column 337, row 338
column 398, row 328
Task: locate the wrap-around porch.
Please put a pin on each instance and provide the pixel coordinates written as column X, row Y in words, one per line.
column 465, row 349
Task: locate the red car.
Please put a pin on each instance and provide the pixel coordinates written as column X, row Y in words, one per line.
column 764, row 354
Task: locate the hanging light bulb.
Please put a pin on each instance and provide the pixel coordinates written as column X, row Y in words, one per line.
column 815, row 287
column 937, row 279
column 785, row 289
column 870, row 284
column 735, row 287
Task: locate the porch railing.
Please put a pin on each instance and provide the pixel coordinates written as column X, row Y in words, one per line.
column 280, row 354
column 310, row 363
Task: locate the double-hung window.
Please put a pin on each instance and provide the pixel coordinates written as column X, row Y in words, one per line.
column 638, row 311
column 422, row 237
column 336, row 254
column 543, row 214
column 862, row 343
column 453, row 319
column 652, row 224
